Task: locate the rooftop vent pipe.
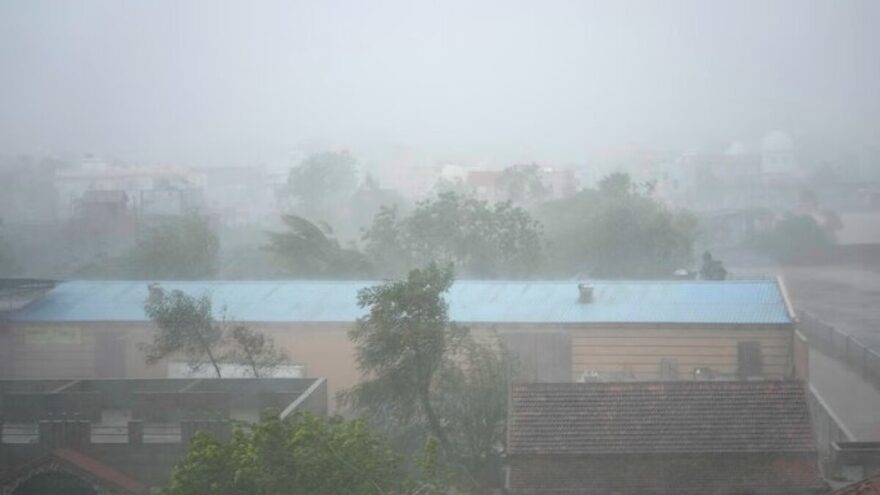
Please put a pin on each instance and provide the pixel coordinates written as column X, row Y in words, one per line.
column 585, row 293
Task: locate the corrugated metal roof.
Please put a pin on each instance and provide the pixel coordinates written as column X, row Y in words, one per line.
column 728, row 302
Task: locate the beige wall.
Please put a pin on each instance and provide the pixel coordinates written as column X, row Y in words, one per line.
column 640, row 350
column 52, row 351
column 72, row 350
column 68, row 350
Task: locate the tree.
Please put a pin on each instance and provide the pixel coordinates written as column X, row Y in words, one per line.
column 303, row 454
column 186, row 325
column 522, row 183
column 429, row 382
column 616, row 184
column 792, row 237
column 306, row 250
column 256, row 351
column 478, row 239
column 472, row 396
column 620, row 184
column 184, row 248
column 368, row 200
column 403, row 342
column 322, row 181
column 711, row 268
column 618, row 230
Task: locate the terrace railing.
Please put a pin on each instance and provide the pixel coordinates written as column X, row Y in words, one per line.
column 840, row 345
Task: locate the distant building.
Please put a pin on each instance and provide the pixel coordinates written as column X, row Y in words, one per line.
column 779, row 164
column 741, row 177
column 676, row 438
column 123, row 437
column 558, row 182
column 241, row 195
column 623, row 330
column 149, row 190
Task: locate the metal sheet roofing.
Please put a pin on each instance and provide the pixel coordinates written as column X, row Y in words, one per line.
column 727, row 302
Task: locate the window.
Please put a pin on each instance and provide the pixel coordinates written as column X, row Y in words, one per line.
column 750, row 361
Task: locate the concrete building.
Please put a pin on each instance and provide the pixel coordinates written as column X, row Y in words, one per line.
column 123, row 437
column 601, row 331
column 148, row 190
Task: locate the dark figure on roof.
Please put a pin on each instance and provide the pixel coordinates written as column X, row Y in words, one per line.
column 712, row 269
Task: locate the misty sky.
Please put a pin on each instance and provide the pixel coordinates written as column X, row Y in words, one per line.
column 243, row 81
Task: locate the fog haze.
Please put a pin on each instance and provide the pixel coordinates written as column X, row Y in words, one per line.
column 205, row 83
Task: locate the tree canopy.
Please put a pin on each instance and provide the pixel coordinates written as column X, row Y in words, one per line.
column 617, row 230
column 303, row 455
column 792, row 237
column 186, row 325
column 521, row 183
column 309, row 251
column 322, row 182
column 183, row 248
column 478, row 239
column 429, row 382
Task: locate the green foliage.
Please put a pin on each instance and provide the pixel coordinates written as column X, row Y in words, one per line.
column 301, row 455
column 404, row 341
column 452, row 185
column 185, row 248
column 521, row 183
column 430, row 385
column 792, row 237
column 254, row 350
column 620, row 184
column 617, row 231
column 368, row 200
column 307, row 251
column 472, row 398
column 479, row 240
column 186, row 325
column 323, row 180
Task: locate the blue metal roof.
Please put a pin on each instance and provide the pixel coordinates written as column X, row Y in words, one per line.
column 728, row 302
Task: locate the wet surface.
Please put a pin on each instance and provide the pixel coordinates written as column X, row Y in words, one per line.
column 847, row 298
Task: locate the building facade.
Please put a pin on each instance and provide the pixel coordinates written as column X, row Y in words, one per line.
column 125, row 436
column 627, row 330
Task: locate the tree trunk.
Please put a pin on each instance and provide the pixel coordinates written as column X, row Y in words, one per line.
column 213, row 361
column 433, row 422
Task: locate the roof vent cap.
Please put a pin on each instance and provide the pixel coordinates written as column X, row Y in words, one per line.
column 585, row 293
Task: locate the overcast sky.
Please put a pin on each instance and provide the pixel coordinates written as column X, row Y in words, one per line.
column 244, row 81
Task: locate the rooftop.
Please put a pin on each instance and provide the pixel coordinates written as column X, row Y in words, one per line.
column 110, row 405
column 664, row 301
column 95, row 471
column 660, row 418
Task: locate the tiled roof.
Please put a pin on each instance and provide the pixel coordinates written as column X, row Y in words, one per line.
column 101, row 471
column 667, row 474
column 869, row 486
column 678, row 302
column 106, row 476
column 660, row 417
